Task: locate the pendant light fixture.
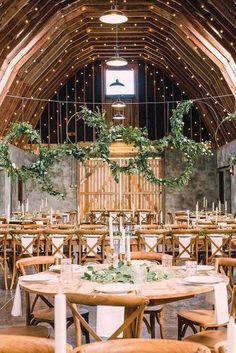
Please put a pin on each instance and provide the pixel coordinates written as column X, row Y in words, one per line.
column 118, row 104
column 113, row 16
column 117, row 83
column 118, row 116
column 116, row 60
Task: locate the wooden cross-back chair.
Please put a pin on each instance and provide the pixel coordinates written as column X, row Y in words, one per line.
column 152, row 240
column 214, row 249
column 203, row 318
column 155, row 312
column 91, row 244
column 35, row 316
column 4, row 255
column 97, row 217
column 25, row 243
column 142, row 345
column 59, row 242
column 134, row 308
column 184, row 247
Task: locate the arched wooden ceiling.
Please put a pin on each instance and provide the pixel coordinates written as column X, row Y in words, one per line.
column 45, row 42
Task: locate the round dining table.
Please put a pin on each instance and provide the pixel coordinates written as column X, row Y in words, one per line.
column 158, row 292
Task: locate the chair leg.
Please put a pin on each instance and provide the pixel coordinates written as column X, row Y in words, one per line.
column 84, row 331
column 152, row 325
column 160, row 321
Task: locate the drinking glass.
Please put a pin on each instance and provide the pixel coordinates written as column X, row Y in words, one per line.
column 140, row 275
column 191, row 267
column 167, row 261
column 66, row 271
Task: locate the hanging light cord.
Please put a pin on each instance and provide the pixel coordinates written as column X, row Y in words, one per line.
column 128, row 103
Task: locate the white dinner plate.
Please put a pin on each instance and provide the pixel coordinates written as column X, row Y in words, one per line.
column 141, row 262
column 205, row 268
column 57, row 268
column 115, row 288
column 39, row 278
column 202, row 280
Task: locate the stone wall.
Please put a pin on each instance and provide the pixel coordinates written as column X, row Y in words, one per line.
column 223, row 155
column 203, row 183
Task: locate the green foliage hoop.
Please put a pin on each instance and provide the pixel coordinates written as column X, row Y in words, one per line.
column 146, row 149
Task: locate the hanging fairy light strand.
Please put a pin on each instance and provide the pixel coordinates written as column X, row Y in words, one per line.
column 127, row 103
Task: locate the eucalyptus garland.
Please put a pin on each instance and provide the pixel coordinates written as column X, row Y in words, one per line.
column 229, row 117
column 146, row 149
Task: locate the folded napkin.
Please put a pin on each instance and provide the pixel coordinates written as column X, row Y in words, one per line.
column 17, row 305
column 184, row 242
column 91, row 241
column 57, row 241
column 151, row 240
column 217, row 239
column 109, row 319
column 221, row 303
column 25, row 241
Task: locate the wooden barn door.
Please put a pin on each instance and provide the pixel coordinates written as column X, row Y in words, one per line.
column 98, row 190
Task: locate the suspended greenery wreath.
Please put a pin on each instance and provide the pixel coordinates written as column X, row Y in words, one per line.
column 146, row 149
column 229, row 117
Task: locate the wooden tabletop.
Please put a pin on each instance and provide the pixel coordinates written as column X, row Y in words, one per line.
column 158, row 292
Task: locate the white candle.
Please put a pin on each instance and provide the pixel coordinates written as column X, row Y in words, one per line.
column 219, row 206
column 27, row 205
column 123, row 242
column 206, row 204
column 188, row 219
column 231, row 336
column 46, row 202
column 216, row 215
column 133, row 210
column 42, row 203
column 213, row 206
column 226, row 207
column 197, row 211
column 8, row 213
column 161, row 217
column 121, row 224
column 60, row 323
column 111, row 233
column 23, row 210
column 51, row 217
column 40, row 208
column 78, row 215
column 128, row 248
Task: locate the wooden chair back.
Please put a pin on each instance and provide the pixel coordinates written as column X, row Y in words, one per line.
column 152, row 241
column 27, row 344
column 184, row 247
column 215, row 248
column 143, row 346
column 226, row 266
column 4, row 255
column 91, row 244
column 143, row 255
column 39, row 263
column 61, row 248
column 134, row 309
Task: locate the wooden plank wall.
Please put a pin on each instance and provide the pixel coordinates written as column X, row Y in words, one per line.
column 98, row 190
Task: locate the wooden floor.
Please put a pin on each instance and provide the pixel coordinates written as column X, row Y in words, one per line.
column 170, row 329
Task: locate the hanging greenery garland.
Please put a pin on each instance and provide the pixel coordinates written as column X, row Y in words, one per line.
column 146, row 149
column 229, row 117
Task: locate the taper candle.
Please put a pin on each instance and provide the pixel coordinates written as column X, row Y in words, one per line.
column 60, row 323
column 111, row 233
